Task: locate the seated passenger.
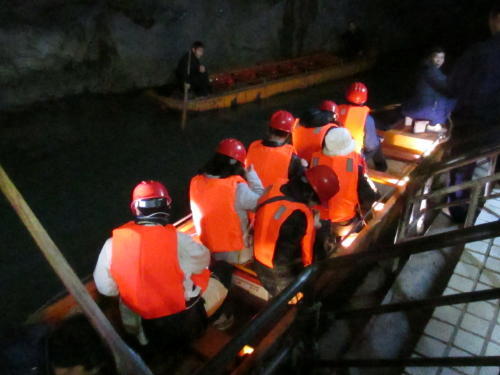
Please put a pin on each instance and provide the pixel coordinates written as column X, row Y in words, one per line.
column 192, row 73
column 309, row 133
column 431, row 100
column 161, row 275
column 273, row 158
column 285, row 226
column 221, row 195
column 72, row 347
column 355, row 188
column 355, row 116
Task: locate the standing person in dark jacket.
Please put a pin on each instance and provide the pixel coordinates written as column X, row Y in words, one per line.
column 285, row 226
column 196, row 77
column 353, row 40
column 431, row 100
column 475, row 81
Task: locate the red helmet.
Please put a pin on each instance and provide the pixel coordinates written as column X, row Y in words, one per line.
column 357, row 93
column 148, row 190
column 233, row 148
column 328, row 105
column 282, row 120
column 324, row 182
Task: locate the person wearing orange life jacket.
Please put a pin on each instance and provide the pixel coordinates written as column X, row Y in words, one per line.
column 161, row 276
column 356, row 117
column 314, row 123
column 356, row 190
column 285, row 226
column 273, row 158
column 221, row 196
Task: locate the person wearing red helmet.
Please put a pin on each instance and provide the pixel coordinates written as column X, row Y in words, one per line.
column 314, row 123
column 355, row 116
column 161, row 276
column 356, row 191
column 285, row 226
column 273, row 157
column 221, row 196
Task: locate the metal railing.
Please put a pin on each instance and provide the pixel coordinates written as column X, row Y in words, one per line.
column 423, row 200
column 217, row 365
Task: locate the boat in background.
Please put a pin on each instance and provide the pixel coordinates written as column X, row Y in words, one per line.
column 262, row 81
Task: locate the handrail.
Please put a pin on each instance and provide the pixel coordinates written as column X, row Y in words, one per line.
column 260, row 321
column 278, row 304
column 427, row 303
column 418, row 245
column 412, row 362
column 452, row 189
column 465, row 158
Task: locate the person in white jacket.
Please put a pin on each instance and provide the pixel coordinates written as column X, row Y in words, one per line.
column 161, row 275
column 222, row 195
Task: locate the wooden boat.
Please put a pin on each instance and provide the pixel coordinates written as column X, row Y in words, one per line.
column 404, row 150
column 262, row 81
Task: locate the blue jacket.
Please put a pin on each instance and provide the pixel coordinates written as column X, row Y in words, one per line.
column 372, row 141
column 430, row 101
column 475, row 81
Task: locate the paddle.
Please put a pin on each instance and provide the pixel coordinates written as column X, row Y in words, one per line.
column 126, row 360
column 186, row 89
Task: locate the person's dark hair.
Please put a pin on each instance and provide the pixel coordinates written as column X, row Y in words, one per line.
column 277, row 132
column 435, row 49
column 223, row 166
column 314, row 117
column 197, row 44
column 75, row 342
column 300, row 190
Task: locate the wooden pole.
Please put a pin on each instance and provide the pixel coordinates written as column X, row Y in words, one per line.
column 186, row 89
column 126, row 360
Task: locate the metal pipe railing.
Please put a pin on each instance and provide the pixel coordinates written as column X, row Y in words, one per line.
column 245, row 335
column 418, row 245
column 452, row 189
column 428, row 303
column 278, row 304
column 413, row 362
column 464, row 159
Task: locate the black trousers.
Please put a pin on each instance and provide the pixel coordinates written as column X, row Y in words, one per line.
column 175, row 332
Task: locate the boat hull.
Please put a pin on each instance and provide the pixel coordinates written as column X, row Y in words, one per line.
column 265, row 90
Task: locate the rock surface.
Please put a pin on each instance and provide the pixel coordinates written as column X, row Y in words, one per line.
column 54, row 48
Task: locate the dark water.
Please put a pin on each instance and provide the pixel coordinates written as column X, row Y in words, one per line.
column 76, row 161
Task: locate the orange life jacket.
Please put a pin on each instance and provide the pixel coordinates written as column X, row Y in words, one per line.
column 309, row 140
column 271, row 163
column 343, row 205
column 354, row 117
column 214, row 212
column 268, row 220
column 145, row 266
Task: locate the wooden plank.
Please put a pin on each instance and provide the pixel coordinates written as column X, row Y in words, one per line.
column 400, row 153
column 418, row 143
column 384, row 178
column 212, row 341
column 265, row 344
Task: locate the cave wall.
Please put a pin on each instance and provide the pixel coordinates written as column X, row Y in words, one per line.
column 54, row 48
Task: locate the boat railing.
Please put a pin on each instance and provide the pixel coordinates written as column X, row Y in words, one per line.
column 304, row 283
